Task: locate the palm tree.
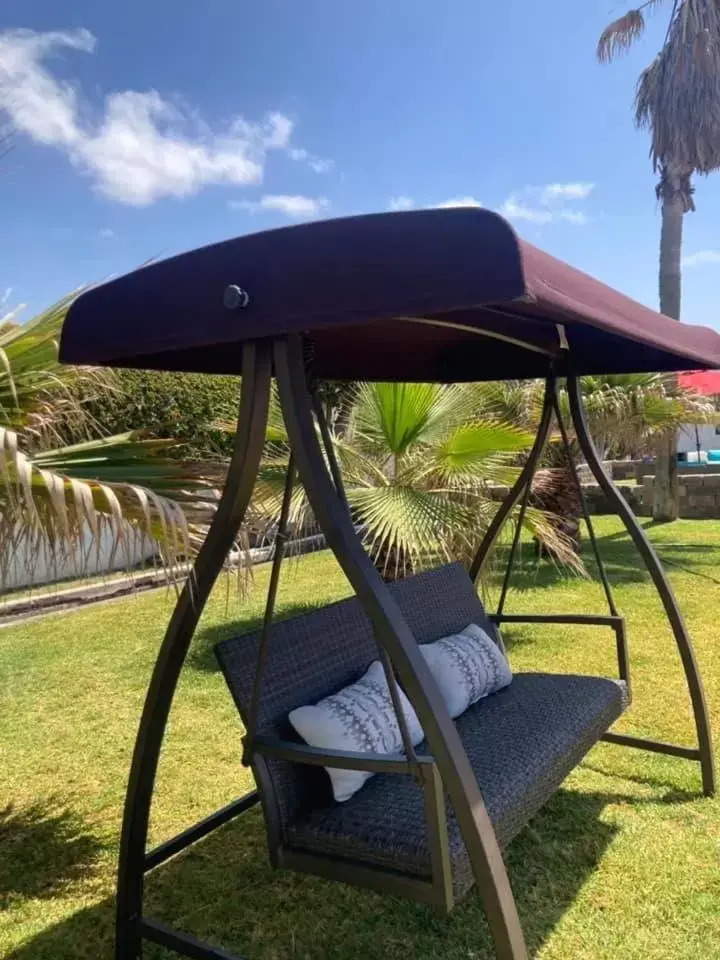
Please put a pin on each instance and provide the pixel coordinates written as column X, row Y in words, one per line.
column 57, row 498
column 627, row 413
column 418, row 463
column 678, row 100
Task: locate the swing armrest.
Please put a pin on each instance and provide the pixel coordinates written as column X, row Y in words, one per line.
column 583, row 619
column 588, row 619
column 337, row 759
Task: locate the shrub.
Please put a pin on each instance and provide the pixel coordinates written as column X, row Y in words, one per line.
column 179, row 405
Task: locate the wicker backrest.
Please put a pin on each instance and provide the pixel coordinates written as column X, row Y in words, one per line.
column 314, row 655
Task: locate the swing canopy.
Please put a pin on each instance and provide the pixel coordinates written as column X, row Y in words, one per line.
column 438, row 295
column 398, row 296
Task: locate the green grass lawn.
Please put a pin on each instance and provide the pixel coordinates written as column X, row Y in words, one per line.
column 624, row 861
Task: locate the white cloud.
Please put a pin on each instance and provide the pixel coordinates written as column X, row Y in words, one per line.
column 279, row 130
column 513, row 209
column 297, row 206
column 566, row 191
column 321, row 166
column 407, row 203
column 461, row 202
column 701, row 257
column 573, row 216
column 315, row 163
column 541, row 205
column 142, row 147
column 401, row 203
column 107, row 233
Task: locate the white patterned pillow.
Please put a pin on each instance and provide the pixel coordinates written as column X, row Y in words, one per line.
column 466, row 667
column 361, row 718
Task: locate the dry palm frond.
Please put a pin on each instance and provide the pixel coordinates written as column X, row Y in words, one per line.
column 58, row 501
column 678, row 95
column 35, row 389
column 58, row 506
column 620, row 35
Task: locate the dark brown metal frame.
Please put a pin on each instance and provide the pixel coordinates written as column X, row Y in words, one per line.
column 703, row 753
column 394, row 635
column 134, row 862
column 448, row 769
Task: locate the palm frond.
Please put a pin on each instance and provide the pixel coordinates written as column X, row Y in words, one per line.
column 35, row 389
column 627, row 411
column 678, row 97
column 59, row 504
column 394, row 415
column 406, row 525
column 474, row 449
column 511, row 401
column 620, row 35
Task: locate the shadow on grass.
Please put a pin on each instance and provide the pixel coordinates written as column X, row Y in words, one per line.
column 43, row 848
column 621, row 558
column 223, row 891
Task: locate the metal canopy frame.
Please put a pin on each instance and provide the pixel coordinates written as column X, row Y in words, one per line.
column 448, row 770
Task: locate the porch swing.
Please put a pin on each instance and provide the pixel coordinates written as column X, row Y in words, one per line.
column 431, row 296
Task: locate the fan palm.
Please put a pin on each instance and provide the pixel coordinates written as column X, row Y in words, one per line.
column 628, row 412
column 56, row 498
column 418, row 462
column 678, row 100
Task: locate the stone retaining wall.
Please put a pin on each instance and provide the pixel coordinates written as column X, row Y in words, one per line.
column 699, row 496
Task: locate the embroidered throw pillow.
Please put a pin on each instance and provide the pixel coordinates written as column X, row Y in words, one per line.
column 360, row 718
column 466, row 667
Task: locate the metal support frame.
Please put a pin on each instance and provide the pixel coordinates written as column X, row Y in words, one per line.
column 704, row 752
column 584, row 507
column 615, row 622
column 134, row 861
column 177, row 844
column 280, row 541
column 394, row 635
column 448, row 770
column 666, row 594
column 524, row 480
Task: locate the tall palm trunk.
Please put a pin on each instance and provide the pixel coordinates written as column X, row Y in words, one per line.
column 675, row 193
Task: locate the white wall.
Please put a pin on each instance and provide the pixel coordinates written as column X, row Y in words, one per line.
column 87, row 561
column 709, row 438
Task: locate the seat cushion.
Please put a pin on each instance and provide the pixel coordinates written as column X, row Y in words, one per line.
column 360, row 718
column 521, row 742
column 466, row 666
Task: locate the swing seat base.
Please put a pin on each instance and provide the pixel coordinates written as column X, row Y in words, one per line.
column 521, row 742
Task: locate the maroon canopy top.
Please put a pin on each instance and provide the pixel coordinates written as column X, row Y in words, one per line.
column 430, row 295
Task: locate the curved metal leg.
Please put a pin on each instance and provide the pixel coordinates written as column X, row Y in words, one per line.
column 255, row 395
column 669, row 601
column 395, row 637
column 526, row 475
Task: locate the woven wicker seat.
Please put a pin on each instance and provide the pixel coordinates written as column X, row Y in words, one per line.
column 522, row 741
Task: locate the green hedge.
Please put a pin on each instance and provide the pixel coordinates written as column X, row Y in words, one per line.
column 179, row 405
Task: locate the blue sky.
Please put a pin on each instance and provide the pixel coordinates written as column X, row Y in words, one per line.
column 146, row 128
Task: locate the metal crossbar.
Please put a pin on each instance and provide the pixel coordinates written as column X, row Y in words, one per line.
column 199, row 830
column 280, row 540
